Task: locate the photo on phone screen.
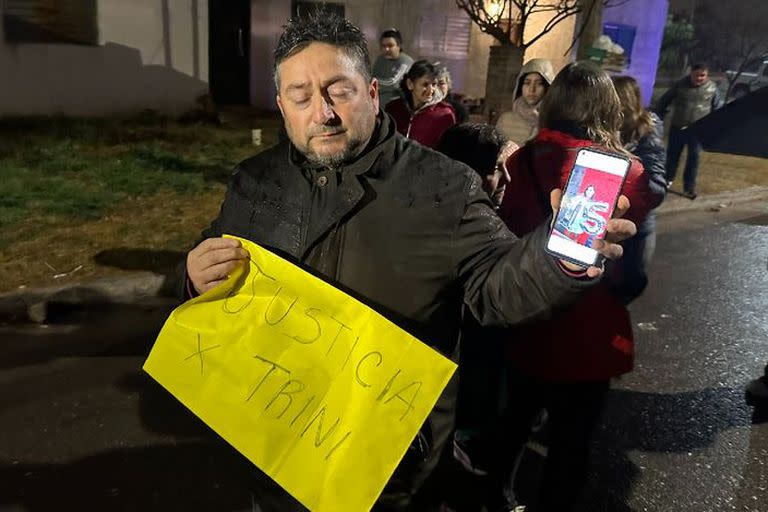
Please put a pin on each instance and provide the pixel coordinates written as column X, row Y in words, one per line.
column 588, row 202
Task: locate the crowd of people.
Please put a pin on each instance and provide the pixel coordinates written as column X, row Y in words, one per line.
column 385, row 189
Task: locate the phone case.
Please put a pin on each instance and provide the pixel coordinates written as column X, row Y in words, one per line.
column 598, row 258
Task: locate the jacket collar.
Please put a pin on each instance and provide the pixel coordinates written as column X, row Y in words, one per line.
column 565, row 133
column 381, row 141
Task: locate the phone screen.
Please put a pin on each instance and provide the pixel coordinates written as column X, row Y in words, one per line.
column 588, row 203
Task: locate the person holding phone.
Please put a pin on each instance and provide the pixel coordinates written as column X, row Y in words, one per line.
column 565, row 363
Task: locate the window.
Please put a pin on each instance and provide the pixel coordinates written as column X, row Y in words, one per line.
column 50, row 21
column 444, row 35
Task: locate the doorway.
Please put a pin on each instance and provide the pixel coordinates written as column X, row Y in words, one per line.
column 229, row 50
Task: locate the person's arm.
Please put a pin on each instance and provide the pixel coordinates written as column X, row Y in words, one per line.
column 665, row 101
column 395, row 79
column 232, row 202
column 652, row 153
column 718, row 99
column 507, row 280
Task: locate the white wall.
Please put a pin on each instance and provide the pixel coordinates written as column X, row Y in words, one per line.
column 135, row 67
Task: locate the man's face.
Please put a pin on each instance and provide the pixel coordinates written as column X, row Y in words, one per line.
column 533, row 88
column 422, row 89
column 495, row 183
column 699, row 77
column 328, row 106
column 389, row 48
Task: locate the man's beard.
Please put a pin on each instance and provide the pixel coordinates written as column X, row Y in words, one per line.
column 351, row 150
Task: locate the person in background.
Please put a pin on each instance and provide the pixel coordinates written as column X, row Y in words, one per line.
column 483, row 148
column 522, row 122
column 420, row 114
column 391, row 66
column 564, row 363
column 691, row 98
column 444, row 85
column 642, row 134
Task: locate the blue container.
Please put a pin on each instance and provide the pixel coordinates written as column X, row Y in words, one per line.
column 623, row 35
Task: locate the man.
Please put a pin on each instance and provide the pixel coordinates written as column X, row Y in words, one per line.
column 391, row 66
column 403, row 228
column 691, row 98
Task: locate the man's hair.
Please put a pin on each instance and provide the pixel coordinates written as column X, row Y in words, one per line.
column 323, row 26
column 699, row 67
column 475, row 144
column 394, row 34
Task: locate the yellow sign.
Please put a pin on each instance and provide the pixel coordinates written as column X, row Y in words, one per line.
column 322, row 393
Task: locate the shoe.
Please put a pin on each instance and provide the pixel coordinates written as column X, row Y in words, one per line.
column 756, row 392
column 690, row 194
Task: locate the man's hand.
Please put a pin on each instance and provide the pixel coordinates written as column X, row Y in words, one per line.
column 210, row 263
column 618, row 230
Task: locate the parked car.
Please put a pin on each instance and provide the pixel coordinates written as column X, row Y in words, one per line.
column 754, row 76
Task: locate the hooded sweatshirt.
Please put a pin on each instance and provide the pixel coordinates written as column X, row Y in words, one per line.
column 521, row 123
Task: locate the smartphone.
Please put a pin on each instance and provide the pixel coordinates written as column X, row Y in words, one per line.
column 588, row 202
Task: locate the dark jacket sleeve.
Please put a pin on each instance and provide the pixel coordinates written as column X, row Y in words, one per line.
column 666, row 100
column 718, row 100
column 652, row 153
column 507, row 280
column 184, row 288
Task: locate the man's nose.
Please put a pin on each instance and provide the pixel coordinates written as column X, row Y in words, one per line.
column 322, row 110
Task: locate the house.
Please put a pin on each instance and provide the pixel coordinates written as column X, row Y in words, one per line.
column 102, row 57
column 106, row 57
column 433, row 29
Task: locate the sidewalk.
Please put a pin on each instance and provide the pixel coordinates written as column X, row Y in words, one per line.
column 142, row 288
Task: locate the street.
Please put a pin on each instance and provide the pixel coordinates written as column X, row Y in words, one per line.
column 83, row 428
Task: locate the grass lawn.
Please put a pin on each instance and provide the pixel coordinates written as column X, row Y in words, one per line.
column 104, row 197
column 110, row 195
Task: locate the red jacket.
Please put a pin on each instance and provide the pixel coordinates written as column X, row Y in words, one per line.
column 592, row 338
column 426, row 125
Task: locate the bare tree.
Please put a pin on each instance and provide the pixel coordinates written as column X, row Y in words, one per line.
column 506, row 20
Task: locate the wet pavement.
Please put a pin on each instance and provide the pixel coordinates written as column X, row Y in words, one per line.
column 83, row 428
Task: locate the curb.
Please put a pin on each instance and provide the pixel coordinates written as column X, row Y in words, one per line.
column 33, row 305
column 675, row 204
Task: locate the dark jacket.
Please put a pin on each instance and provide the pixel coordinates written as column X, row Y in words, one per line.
column 425, row 125
column 628, row 276
column 590, row 339
column 689, row 103
column 408, row 231
column 462, row 114
column 653, row 155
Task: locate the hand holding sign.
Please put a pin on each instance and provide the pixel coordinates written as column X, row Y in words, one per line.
column 318, row 390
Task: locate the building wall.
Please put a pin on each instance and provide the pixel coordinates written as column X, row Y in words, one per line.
column 553, row 46
column 151, row 55
column 649, row 17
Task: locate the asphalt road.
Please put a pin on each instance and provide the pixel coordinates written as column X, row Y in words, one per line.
column 83, row 428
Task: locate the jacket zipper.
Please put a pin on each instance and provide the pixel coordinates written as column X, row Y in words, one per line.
column 305, row 219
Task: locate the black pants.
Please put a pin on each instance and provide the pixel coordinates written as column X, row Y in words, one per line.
column 678, row 139
column 574, row 409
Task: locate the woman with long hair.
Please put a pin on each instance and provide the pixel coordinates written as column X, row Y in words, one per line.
column 421, row 114
column 642, row 134
column 564, row 364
